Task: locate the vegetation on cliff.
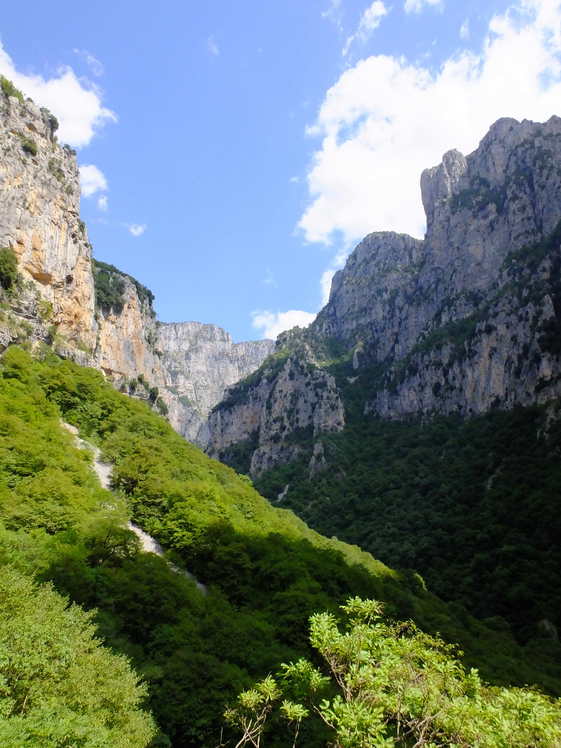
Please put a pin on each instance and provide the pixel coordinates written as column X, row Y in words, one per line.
column 266, row 572
column 109, row 284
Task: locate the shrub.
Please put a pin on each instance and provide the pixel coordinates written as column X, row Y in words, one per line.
column 29, row 146
column 8, row 269
column 8, row 89
column 161, row 406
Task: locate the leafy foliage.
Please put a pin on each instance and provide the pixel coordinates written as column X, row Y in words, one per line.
column 110, row 287
column 389, row 684
column 266, row 572
column 58, row 686
column 8, row 269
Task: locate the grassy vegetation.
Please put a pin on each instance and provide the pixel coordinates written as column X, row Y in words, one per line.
column 266, row 571
column 8, row 89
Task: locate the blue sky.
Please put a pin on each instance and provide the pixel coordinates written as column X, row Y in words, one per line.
column 242, row 148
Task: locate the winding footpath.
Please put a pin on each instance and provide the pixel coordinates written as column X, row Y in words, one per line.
column 103, row 471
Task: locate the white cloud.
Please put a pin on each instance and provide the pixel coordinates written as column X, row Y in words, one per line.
column 294, row 180
column 92, row 180
column 416, row 6
column 369, row 22
column 386, row 119
column 272, row 324
column 92, row 62
column 102, row 203
column 212, row 46
column 137, row 229
column 465, row 30
column 333, row 13
column 76, row 103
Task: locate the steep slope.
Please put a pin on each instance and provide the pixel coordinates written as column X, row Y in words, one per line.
column 266, row 571
column 40, row 221
column 88, row 310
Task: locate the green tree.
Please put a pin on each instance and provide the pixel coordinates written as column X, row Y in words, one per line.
column 58, row 686
column 8, row 268
column 389, row 684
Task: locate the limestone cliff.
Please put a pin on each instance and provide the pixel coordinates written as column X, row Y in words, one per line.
column 40, row 222
column 463, row 321
column 289, row 398
column 88, row 310
column 198, row 363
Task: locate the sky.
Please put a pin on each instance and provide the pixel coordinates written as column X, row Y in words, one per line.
column 232, row 154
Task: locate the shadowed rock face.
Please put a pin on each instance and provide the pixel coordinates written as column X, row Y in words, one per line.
column 463, row 321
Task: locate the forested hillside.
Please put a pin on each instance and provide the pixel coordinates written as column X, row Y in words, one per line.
column 472, row 505
column 266, row 572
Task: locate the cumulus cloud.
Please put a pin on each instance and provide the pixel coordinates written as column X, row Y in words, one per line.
column 103, row 203
column 464, row 30
column 416, row 6
column 369, row 22
column 92, row 180
column 212, row 46
column 76, row 103
column 386, row 119
column 137, row 229
column 272, row 324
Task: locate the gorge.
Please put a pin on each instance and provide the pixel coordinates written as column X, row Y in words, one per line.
column 417, row 417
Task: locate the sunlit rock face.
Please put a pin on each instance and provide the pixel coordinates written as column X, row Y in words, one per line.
column 465, row 320
column 190, row 364
column 199, row 362
column 40, row 221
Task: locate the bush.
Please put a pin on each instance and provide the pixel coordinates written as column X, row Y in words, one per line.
column 59, row 686
column 8, row 89
column 389, row 684
column 29, row 146
column 8, row 269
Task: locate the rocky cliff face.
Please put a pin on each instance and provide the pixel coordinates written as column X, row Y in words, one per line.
column 40, row 221
column 463, row 321
column 290, row 398
column 198, row 363
column 90, row 311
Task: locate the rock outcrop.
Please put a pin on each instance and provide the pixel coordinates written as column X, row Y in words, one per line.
column 466, row 320
column 40, row 222
column 198, row 363
column 291, row 398
column 90, row 311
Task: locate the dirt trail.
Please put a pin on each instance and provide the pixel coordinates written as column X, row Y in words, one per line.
column 103, row 471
